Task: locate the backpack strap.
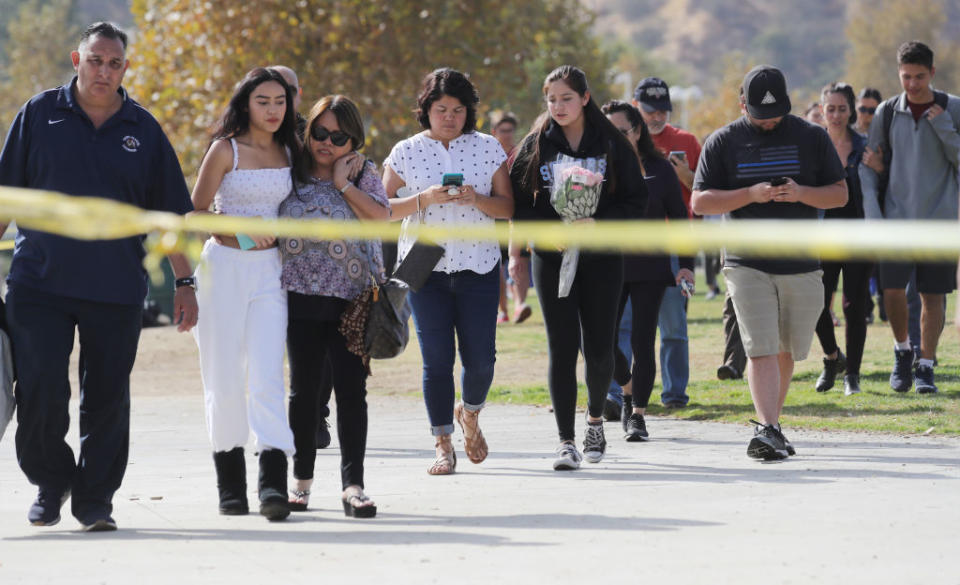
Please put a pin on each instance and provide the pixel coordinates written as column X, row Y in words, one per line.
column 940, row 99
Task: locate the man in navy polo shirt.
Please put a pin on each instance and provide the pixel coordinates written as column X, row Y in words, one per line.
column 86, row 138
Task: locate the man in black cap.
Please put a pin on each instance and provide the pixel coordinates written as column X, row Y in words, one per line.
column 769, row 164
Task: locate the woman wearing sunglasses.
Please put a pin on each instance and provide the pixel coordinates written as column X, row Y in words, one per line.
column 867, row 104
column 246, row 172
column 331, row 181
column 460, row 296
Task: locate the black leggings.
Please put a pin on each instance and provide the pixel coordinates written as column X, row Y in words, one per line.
column 590, row 312
column 308, row 345
column 645, row 298
column 856, row 290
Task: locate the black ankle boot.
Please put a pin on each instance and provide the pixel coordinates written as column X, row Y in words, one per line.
column 831, row 369
column 232, row 481
column 273, row 485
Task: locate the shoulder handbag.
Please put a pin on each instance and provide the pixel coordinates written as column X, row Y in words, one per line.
column 420, row 260
column 376, row 323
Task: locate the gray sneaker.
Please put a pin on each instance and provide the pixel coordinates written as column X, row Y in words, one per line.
column 594, row 443
column 568, row 458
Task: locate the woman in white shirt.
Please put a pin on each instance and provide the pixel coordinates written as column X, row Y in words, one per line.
column 460, row 297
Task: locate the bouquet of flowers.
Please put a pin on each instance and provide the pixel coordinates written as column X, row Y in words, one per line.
column 574, row 194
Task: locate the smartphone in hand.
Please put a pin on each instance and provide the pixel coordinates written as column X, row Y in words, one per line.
column 777, row 181
column 680, row 155
column 452, row 180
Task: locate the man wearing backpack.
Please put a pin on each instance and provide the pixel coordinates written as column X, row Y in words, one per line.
column 918, row 133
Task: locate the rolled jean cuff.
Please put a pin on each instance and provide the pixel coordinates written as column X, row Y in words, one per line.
column 474, row 408
column 442, row 430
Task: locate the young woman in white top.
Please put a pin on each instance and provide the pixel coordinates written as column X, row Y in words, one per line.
column 246, row 172
column 460, row 297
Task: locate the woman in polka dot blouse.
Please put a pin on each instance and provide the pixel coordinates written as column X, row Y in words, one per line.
column 459, row 299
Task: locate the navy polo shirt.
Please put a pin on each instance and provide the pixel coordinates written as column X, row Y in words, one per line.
column 53, row 145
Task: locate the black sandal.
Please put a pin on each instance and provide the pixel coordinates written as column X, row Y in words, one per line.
column 353, row 500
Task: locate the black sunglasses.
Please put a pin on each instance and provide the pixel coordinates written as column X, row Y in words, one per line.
column 866, row 110
column 338, row 138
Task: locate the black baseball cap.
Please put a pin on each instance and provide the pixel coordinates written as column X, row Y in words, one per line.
column 653, row 94
column 765, row 93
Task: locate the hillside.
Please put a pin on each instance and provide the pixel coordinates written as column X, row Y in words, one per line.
column 805, row 39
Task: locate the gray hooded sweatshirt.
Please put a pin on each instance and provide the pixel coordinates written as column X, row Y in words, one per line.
column 923, row 173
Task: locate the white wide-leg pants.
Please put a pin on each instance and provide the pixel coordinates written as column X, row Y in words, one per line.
column 241, row 333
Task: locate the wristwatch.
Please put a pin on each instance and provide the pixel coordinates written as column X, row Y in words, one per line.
column 346, row 186
column 186, row 281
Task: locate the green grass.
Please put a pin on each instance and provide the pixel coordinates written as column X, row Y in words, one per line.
column 521, row 353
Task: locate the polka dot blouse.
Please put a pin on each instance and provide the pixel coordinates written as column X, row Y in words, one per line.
column 421, row 162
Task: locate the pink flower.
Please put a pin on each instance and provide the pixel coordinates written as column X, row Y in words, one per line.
column 582, row 176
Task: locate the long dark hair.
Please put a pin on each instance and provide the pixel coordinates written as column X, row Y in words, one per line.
column 236, row 118
column 576, row 79
column 350, row 122
column 846, row 91
column 645, row 146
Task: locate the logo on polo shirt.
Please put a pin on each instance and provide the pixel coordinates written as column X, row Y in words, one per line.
column 130, row 144
column 768, row 99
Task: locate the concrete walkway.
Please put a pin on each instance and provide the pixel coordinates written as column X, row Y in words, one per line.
column 687, row 507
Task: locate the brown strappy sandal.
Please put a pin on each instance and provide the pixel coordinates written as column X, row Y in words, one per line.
column 474, row 443
column 446, row 461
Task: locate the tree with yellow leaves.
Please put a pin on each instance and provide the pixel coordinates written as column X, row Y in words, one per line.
column 189, row 53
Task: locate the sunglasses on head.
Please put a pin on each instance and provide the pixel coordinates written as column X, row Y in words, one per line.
column 866, row 110
column 338, row 138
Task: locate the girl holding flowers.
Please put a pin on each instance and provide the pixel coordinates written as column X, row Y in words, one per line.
column 569, row 145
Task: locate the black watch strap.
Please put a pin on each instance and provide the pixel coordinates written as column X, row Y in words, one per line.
column 185, row 281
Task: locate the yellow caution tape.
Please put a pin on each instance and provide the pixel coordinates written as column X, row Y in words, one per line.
column 96, row 218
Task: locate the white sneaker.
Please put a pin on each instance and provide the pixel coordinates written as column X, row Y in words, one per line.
column 568, row 458
column 594, row 443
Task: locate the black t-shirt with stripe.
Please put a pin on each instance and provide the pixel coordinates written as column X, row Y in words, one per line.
column 738, row 155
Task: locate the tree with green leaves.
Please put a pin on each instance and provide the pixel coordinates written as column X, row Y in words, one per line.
column 189, row 54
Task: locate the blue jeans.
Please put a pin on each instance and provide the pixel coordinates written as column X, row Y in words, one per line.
column 674, row 350
column 623, row 342
column 462, row 303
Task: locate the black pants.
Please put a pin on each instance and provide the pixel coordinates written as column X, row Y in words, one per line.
column 733, row 353
column 856, row 290
column 645, row 298
column 325, row 390
column 42, row 328
column 308, row 345
column 590, row 313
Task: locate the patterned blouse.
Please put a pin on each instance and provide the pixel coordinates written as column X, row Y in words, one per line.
column 337, row 268
column 421, row 162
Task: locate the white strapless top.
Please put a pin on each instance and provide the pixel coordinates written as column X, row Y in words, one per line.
column 252, row 192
